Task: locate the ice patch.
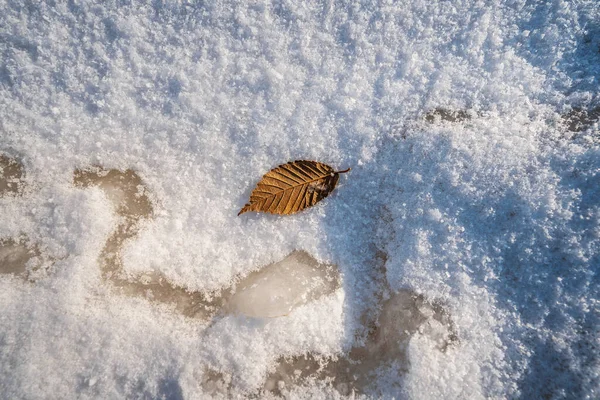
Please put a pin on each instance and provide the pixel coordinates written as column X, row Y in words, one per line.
column 402, row 317
column 11, row 175
column 273, row 291
column 279, row 288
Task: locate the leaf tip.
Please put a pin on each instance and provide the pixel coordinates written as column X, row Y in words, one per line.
column 243, row 210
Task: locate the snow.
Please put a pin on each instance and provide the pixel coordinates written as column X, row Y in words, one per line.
column 458, row 259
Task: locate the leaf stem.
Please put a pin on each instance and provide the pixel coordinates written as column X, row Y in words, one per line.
column 344, row 171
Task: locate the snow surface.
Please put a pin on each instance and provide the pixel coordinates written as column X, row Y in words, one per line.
column 468, row 228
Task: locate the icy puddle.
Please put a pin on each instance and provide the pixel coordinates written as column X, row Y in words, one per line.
column 11, row 176
column 273, row 291
column 131, row 202
column 270, row 292
column 18, row 256
column 24, row 259
column 403, row 316
column 279, row 288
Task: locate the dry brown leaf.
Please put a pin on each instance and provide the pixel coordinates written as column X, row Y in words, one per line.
column 292, row 187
